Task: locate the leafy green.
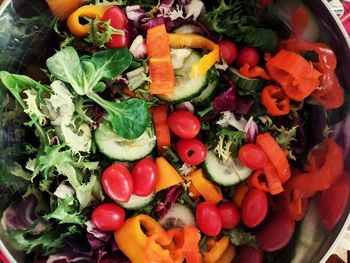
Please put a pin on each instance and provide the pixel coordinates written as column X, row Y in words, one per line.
column 237, row 19
column 129, row 118
column 67, row 212
column 239, row 238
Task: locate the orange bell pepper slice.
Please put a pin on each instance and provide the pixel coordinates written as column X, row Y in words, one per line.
column 228, row 255
column 295, row 74
column 217, row 250
column 275, row 101
column 207, row 189
column 160, row 119
column 240, row 192
column 167, row 175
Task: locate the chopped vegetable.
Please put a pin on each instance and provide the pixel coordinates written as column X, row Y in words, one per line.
column 160, row 66
column 197, row 41
column 160, row 119
column 275, row 101
column 215, row 252
column 63, row 8
column 209, row 191
column 167, row 175
column 253, row 72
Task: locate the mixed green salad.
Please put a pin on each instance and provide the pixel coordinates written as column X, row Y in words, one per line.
column 173, row 131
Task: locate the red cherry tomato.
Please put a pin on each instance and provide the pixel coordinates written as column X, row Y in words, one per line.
column 229, row 214
column 117, row 183
column 184, row 124
column 248, row 55
column 248, row 254
column 254, row 208
column 228, row 51
column 118, row 21
column 145, row 177
column 252, row 156
column 191, row 151
column 277, row 232
column 208, row 219
column 108, row 217
column 332, row 202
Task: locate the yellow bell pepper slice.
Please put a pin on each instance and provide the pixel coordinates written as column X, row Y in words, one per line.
column 167, row 175
column 197, row 41
column 217, row 250
column 132, row 240
column 207, row 189
column 90, row 11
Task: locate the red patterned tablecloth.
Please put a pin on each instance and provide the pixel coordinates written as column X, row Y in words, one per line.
column 346, row 17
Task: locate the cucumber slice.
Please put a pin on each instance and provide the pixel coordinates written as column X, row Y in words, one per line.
column 186, row 88
column 178, row 216
column 207, row 94
column 226, row 174
column 187, row 29
column 247, row 84
column 117, row 148
column 137, row 202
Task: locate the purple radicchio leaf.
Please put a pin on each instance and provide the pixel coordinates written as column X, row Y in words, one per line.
column 341, row 133
column 170, row 199
column 103, row 245
column 152, row 23
column 135, row 13
column 244, row 106
column 300, row 139
column 19, row 215
column 227, row 100
column 138, row 47
column 184, row 2
column 251, row 131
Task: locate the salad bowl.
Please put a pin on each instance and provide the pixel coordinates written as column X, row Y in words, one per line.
column 30, row 34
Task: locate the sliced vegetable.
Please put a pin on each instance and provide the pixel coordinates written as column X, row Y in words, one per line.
column 253, row 72
column 178, row 217
column 209, row 191
column 208, row 218
column 160, row 66
column 226, row 173
column 296, row 75
column 197, row 41
column 117, row 148
column 160, row 119
column 275, row 101
column 275, row 154
column 90, row 11
column 63, row 8
column 239, row 193
column 207, row 95
column 186, row 88
column 168, row 176
column 108, row 217
column 228, row 255
column 217, row 250
column 245, row 83
column 137, row 202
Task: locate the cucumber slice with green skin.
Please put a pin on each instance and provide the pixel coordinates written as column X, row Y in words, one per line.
column 186, row 88
column 178, row 216
column 187, row 29
column 208, row 93
column 226, row 174
column 137, row 202
column 247, row 84
column 117, row 148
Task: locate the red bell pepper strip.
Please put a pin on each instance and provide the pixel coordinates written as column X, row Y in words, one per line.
column 329, row 94
column 275, row 101
column 258, row 180
column 275, row 154
column 253, row 72
column 295, row 74
column 160, row 119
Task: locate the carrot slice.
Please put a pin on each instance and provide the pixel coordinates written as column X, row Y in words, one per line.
column 157, row 42
column 275, row 154
column 168, row 176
